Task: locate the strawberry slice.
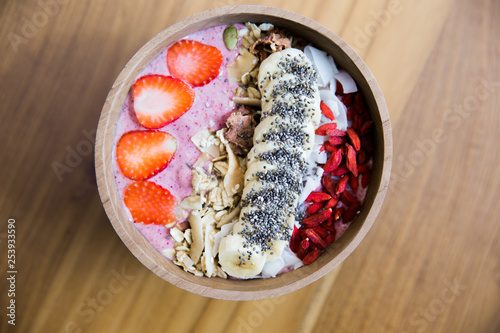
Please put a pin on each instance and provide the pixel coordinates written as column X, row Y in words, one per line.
column 142, row 154
column 158, row 100
column 151, row 204
column 194, row 62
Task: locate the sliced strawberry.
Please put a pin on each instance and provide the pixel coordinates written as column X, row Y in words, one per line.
column 142, row 154
column 158, row 100
column 151, row 204
column 194, row 62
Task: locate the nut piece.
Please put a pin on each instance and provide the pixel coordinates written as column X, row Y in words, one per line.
column 230, row 37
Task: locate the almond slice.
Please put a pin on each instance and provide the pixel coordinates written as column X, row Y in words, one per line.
column 234, row 178
column 197, row 236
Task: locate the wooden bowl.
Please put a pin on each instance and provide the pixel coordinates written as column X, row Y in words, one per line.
column 344, row 56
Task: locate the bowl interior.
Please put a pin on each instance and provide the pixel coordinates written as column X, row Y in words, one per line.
column 322, row 38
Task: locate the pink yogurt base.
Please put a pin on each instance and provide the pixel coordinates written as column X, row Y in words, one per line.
column 211, row 107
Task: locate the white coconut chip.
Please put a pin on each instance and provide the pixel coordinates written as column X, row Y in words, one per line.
column 291, row 259
column 347, row 82
column 313, row 181
column 272, row 268
column 323, row 65
column 333, row 65
column 224, row 231
column 339, row 111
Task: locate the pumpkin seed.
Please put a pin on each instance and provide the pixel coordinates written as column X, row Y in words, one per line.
column 230, row 37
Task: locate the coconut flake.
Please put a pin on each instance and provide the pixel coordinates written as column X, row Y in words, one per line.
column 323, row 65
column 339, row 111
column 272, row 268
column 312, row 183
column 242, row 32
column 321, row 157
column 290, row 258
column 224, row 231
column 333, row 65
column 348, row 84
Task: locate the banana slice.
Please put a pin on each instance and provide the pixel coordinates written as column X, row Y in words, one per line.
column 268, row 196
column 279, row 156
column 300, row 107
column 256, row 167
column 285, row 132
column 239, row 261
column 276, row 250
column 278, row 63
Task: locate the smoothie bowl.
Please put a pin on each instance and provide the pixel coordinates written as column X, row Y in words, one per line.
column 243, row 153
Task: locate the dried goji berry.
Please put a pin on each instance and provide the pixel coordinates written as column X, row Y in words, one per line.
column 318, row 197
column 339, row 89
column 295, row 239
column 329, row 147
column 314, row 208
column 353, row 136
column 315, row 238
column 348, row 199
column 326, row 111
column 357, row 121
column 358, row 103
column 302, row 252
column 346, row 99
column 366, row 127
column 330, row 238
column 362, row 156
column 333, row 162
column 335, row 132
column 323, row 129
column 317, row 219
column 353, row 181
column 351, row 159
column 329, row 222
column 341, row 184
column 321, row 231
column 339, row 212
column 329, row 227
column 328, row 183
column 350, row 213
column 367, row 144
column 350, row 113
column 336, row 140
column 341, row 170
column 305, row 244
column 311, row 257
column 362, row 168
column 332, row 202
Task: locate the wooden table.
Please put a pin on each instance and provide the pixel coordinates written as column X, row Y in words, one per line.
column 431, row 263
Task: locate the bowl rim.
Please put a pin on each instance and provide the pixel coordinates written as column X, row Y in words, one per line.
column 236, row 289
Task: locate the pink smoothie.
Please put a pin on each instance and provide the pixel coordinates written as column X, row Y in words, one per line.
column 211, row 107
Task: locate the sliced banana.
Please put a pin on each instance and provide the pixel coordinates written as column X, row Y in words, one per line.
column 238, row 261
column 285, row 132
column 258, row 166
column 308, row 106
column 272, row 66
column 283, row 141
column 276, row 250
column 275, row 155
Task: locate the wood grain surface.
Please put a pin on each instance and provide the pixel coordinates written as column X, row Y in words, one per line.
column 431, row 262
